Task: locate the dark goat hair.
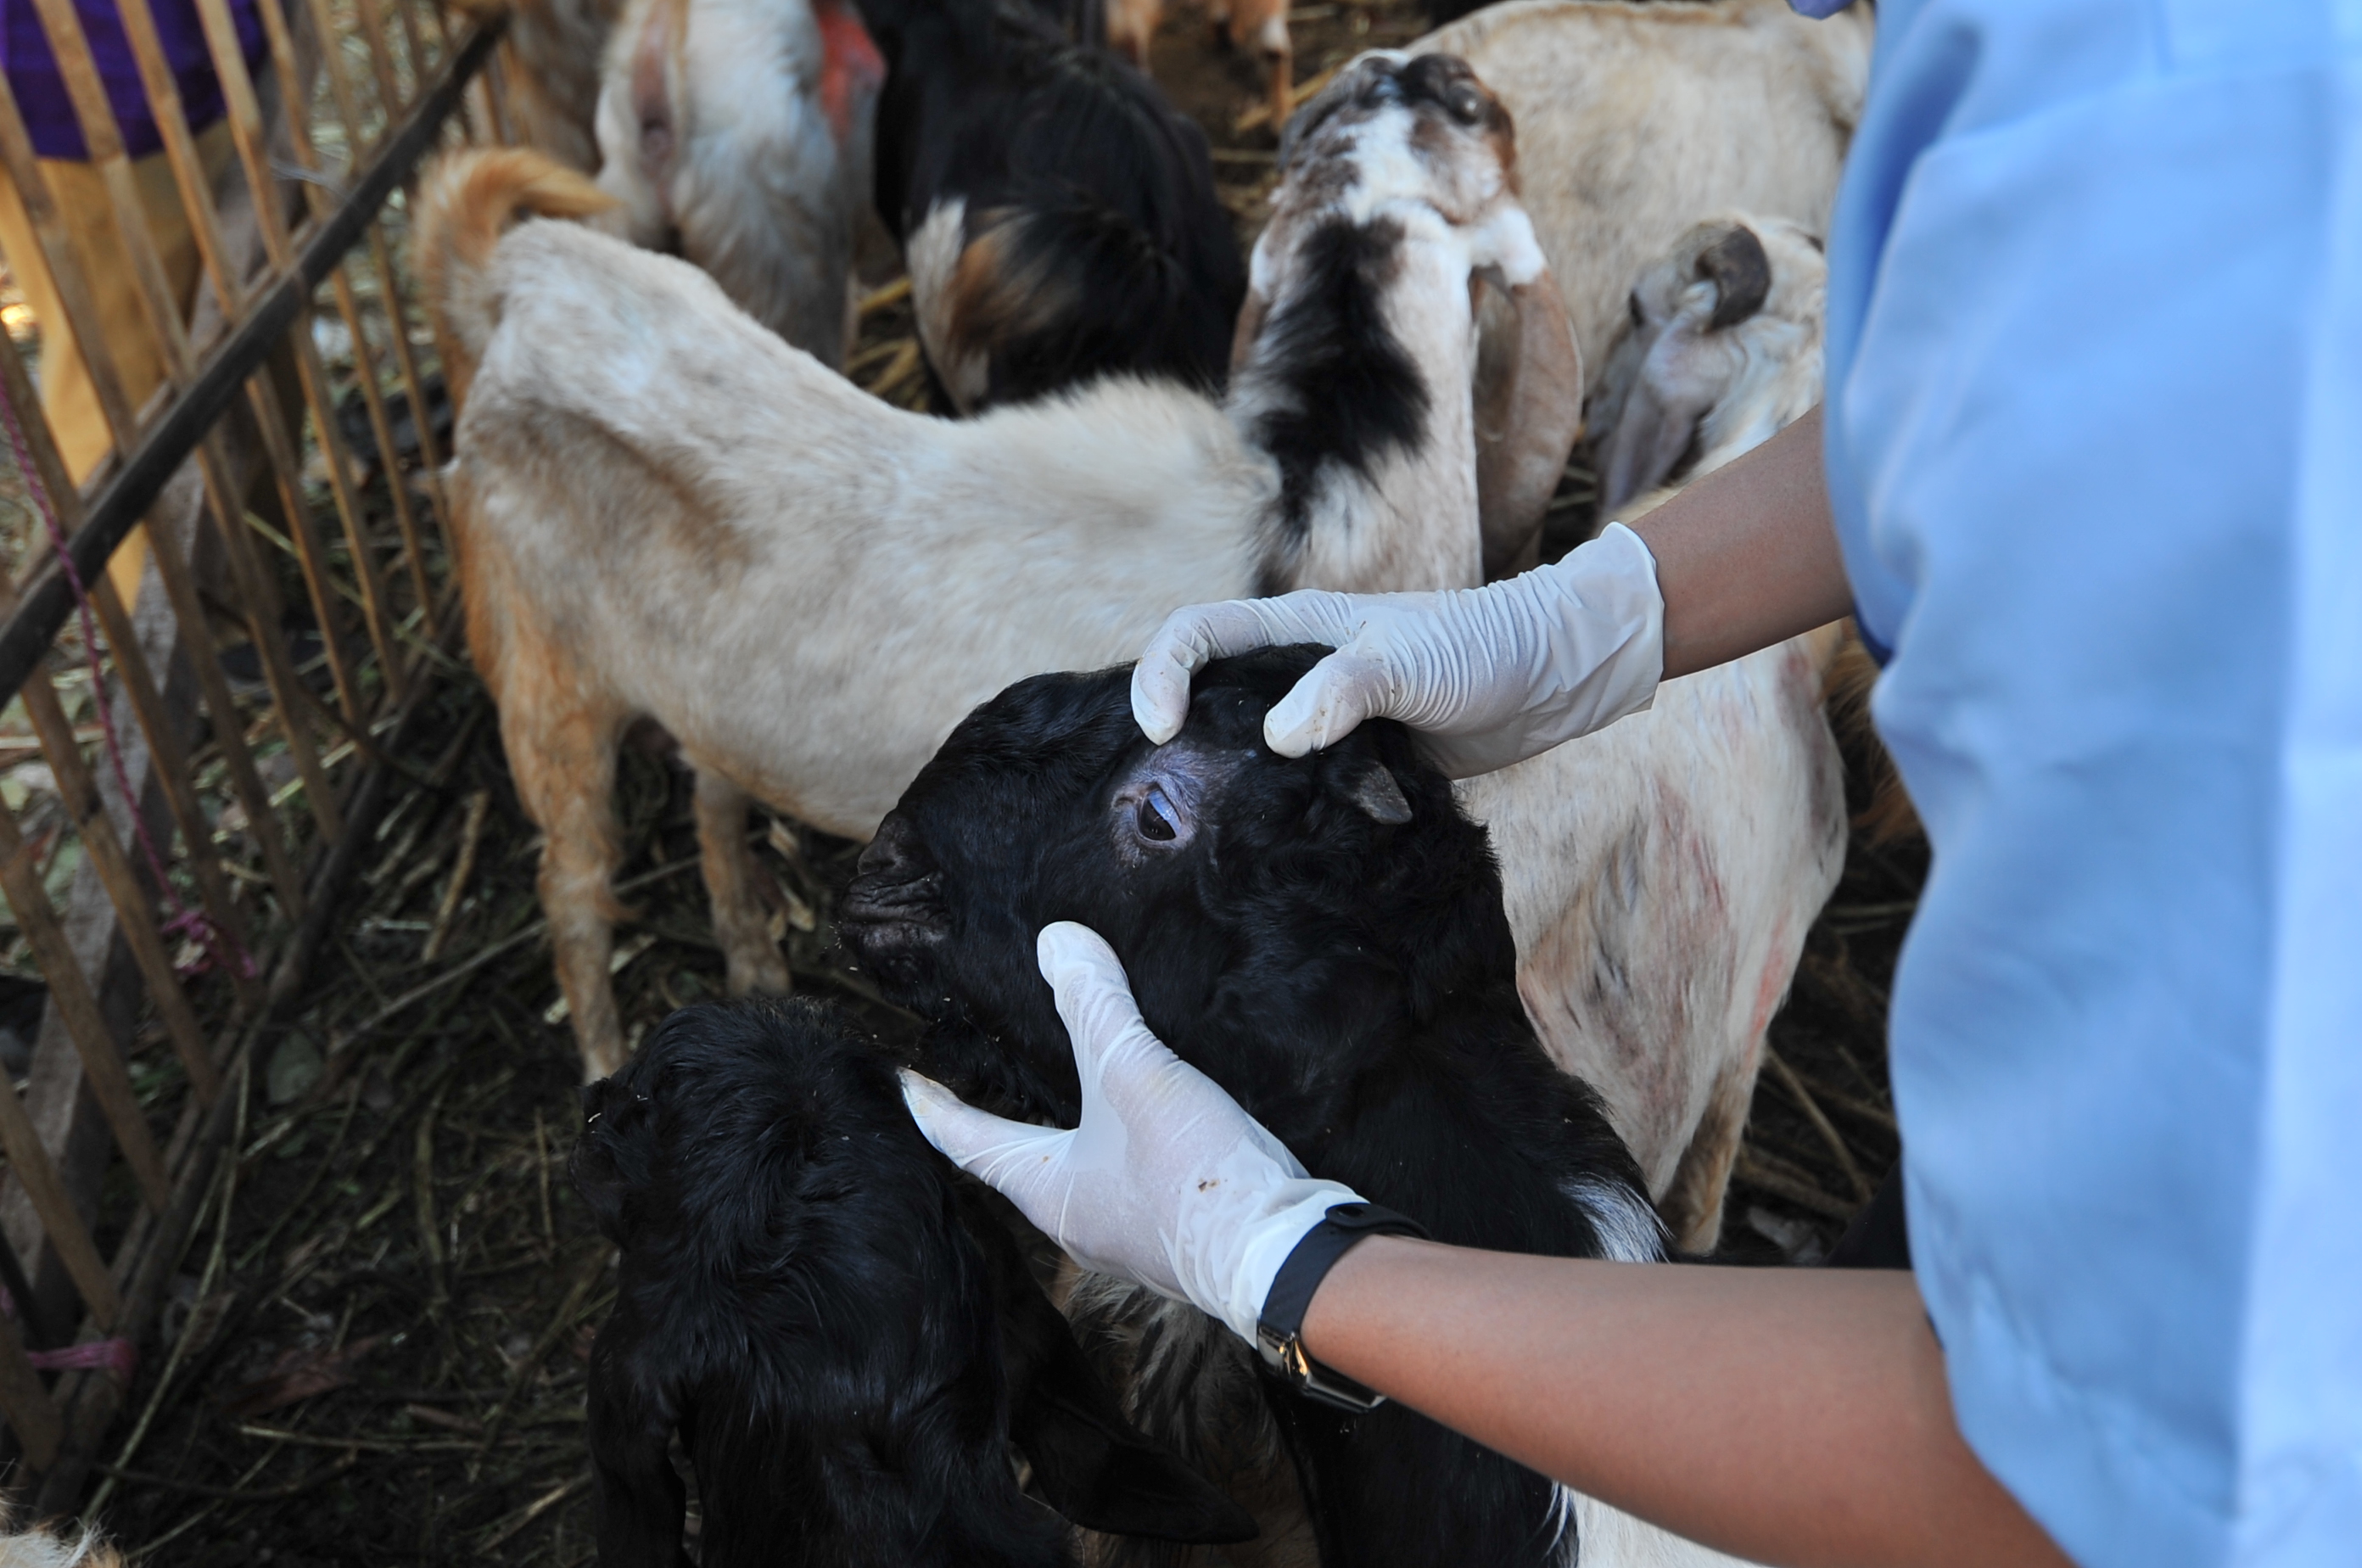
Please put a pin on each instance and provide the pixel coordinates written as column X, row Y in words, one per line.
column 845, row 1338
column 1325, row 937
column 1090, row 239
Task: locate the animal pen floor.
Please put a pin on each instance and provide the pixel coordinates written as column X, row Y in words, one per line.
column 375, row 1348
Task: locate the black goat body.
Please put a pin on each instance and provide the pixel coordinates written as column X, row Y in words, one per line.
column 1325, row 937
column 845, row 1341
column 1091, row 239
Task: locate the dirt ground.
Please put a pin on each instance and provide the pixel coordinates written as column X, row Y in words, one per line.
column 375, row 1350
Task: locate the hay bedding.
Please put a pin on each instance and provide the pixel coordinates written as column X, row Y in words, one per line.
column 375, row 1350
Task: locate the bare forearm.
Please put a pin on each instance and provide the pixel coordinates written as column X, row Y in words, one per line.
column 1791, row 1417
column 1748, row 555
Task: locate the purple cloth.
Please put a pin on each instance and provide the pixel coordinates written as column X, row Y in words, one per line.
column 1817, row 9
column 40, row 90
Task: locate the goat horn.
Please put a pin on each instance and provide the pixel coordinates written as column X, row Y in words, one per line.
column 1740, row 273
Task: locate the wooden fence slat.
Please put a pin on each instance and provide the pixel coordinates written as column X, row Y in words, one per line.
column 133, row 905
column 62, row 260
column 430, row 459
column 311, row 554
column 102, row 140
column 188, row 168
column 382, row 428
column 27, row 1405
column 69, row 994
column 196, row 831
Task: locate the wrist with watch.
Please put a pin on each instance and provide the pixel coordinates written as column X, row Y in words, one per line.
column 1279, row 1329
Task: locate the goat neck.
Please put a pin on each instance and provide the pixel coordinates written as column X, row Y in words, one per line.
column 1356, row 350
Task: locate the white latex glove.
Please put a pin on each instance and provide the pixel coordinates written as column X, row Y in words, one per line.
column 1167, row 1182
column 1488, row 676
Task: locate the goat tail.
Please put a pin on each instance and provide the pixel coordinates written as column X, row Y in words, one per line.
column 1890, row 817
column 471, row 199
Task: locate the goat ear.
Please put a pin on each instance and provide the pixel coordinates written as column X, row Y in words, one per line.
column 1650, row 437
column 1376, row 791
column 1741, row 275
column 1528, row 406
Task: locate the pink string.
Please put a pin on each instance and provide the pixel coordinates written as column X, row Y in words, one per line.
column 223, row 948
column 119, row 1356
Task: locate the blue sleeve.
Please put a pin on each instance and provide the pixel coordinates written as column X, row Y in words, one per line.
column 2096, row 448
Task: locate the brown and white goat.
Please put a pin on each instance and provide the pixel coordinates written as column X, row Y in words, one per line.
column 736, row 134
column 1634, row 121
column 663, row 511
column 1664, row 871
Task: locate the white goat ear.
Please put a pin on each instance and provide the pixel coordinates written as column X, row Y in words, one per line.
column 1376, row 791
column 1528, row 406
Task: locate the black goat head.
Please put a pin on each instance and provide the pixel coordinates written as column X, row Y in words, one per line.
column 1271, row 912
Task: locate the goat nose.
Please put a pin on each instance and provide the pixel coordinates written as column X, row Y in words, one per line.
column 895, row 855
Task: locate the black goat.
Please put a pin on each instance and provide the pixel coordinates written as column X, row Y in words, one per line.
column 846, row 1354
column 1058, row 215
column 1325, row 937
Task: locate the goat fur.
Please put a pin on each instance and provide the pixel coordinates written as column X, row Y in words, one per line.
column 848, row 1348
column 554, row 49
column 737, row 135
column 1343, row 967
column 1262, row 25
column 662, row 511
column 1634, row 121
column 1058, row 217
column 1674, row 861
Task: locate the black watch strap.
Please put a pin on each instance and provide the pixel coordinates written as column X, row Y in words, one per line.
column 1279, row 1329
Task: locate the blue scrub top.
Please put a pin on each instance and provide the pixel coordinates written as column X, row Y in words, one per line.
column 2096, row 448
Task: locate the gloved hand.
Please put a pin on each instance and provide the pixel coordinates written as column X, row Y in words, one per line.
column 1488, row 676
column 1167, row 1182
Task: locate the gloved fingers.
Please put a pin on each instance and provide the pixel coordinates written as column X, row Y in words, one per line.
column 1193, row 638
column 1095, row 1002
column 1334, row 696
column 1122, row 1064
column 1019, row 1158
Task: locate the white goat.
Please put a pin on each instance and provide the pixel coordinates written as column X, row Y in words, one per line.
column 1663, row 873
column 738, row 132
column 1635, row 120
column 661, row 509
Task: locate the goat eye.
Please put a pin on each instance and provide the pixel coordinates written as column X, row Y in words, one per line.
column 1155, row 817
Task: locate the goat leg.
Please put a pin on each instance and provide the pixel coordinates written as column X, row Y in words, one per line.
column 562, row 755
column 740, row 923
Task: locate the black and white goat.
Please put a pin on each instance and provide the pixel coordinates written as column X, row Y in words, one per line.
column 1058, row 217
column 662, row 511
column 846, row 1343
column 1324, row 937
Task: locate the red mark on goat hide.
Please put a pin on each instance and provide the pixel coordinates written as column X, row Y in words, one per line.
column 851, row 67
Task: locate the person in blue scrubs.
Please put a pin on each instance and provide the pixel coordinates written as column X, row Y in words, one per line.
column 2090, row 476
